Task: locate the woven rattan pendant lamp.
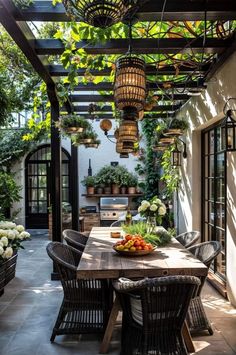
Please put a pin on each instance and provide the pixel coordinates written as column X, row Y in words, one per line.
column 130, row 80
column 100, row 13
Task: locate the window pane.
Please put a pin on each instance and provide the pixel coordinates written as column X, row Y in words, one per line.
column 42, row 169
column 33, row 207
column 65, row 195
column 65, row 169
column 42, row 181
column 212, row 140
column 220, row 164
column 33, row 181
column 65, row 181
column 42, row 194
column 32, row 194
column 43, row 207
column 220, row 190
column 211, row 172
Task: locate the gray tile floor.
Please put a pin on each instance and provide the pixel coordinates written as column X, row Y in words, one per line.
column 31, row 301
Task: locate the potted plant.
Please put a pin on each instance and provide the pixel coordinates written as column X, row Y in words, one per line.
column 71, row 124
column 86, row 137
column 132, row 183
column 177, row 127
column 123, row 177
column 12, row 236
column 115, row 183
column 89, row 182
column 104, row 177
column 94, row 144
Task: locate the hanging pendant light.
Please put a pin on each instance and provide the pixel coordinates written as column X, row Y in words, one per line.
column 130, row 83
column 228, row 133
column 130, row 80
column 100, row 13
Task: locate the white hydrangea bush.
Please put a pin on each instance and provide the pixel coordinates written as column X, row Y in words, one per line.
column 11, row 237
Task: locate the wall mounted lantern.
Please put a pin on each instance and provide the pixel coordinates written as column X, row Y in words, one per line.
column 228, row 132
column 176, row 154
column 105, row 125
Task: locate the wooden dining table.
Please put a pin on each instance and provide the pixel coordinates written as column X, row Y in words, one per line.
column 100, row 261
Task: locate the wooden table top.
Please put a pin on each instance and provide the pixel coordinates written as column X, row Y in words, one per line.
column 99, row 260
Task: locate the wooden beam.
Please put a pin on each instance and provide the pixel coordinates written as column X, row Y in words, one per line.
column 109, row 116
column 110, row 98
column 151, row 11
column 140, row 46
column 84, row 109
column 24, row 38
column 221, row 60
column 58, row 70
column 105, row 86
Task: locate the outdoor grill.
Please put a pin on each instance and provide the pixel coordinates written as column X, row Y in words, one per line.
column 111, row 209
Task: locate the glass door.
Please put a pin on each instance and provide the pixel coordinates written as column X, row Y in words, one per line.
column 214, row 194
column 38, row 180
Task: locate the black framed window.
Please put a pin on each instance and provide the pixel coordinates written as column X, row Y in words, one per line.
column 214, row 194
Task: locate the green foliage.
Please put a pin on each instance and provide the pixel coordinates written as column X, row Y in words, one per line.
column 67, row 121
column 152, row 172
column 9, row 191
column 179, row 123
column 170, row 174
column 88, row 181
column 159, row 238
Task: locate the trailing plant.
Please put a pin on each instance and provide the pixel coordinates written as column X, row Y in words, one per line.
column 67, row 121
column 170, row 175
column 179, row 123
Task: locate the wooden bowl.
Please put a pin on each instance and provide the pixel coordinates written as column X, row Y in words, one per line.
column 134, row 253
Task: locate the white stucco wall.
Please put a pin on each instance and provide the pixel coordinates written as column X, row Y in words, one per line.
column 203, row 111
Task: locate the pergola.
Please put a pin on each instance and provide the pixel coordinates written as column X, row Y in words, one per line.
column 37, row 51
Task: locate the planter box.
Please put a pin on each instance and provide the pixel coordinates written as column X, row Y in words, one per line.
column 7, row 272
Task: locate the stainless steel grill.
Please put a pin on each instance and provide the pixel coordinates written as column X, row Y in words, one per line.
column 112, row 208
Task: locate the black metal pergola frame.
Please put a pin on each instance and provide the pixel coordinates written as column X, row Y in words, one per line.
column 15, row 20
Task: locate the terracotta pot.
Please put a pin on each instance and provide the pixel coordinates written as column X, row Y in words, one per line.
column 131, row 190
column 90, row 190
column 115, row 189
column 107, row 190
column 99, row 190
column 123, row 190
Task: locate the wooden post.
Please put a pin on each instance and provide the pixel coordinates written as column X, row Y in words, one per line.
column 55, row 172
column 74, row 187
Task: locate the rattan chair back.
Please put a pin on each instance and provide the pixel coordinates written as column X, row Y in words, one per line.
column 86, row 304
column 187, row 239
column 154, row 311
column 206, row 252
column 75, row 239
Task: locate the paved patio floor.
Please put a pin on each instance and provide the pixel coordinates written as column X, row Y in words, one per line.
column 29, row 307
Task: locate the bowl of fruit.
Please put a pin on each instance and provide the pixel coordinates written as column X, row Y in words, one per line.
column 133, row 245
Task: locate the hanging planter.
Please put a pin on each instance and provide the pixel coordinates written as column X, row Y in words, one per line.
column 99, row 13
column 87, row 137
column 93, row 144
column 130, row 83
column 177, row 127
column 72, row 124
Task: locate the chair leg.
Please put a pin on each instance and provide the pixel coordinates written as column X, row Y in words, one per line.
column 197, row 319
column 53, row 336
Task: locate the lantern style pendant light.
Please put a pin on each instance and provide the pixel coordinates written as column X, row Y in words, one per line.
column 105, row 125
column 228, row 133
column 130, row 80
column 98, row 13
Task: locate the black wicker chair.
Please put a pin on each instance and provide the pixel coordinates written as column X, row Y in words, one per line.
column 75, row 239
column 86, row 304
column 196, row 318
column 154, row 311
column 187, row 239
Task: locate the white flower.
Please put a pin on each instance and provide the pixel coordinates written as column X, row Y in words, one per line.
column 162, row 210
column 153, row 207
column 20, row 228
column 145, row 205
column 3, row 233
column 1, row 250
column 4, row 241
column 140, row 209
column 24, row 235
column 16, row 233
column 7, row 225
column 157, row 201
column 11, row 234
column 1, row 244
column 8, row 252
